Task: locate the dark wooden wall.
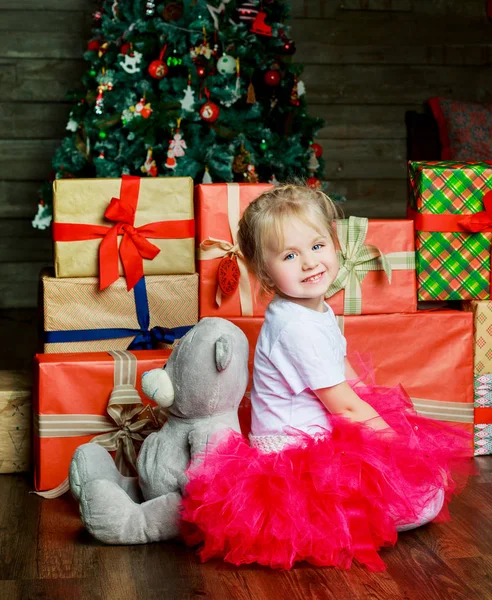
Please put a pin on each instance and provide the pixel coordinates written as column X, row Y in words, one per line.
column 367, row 62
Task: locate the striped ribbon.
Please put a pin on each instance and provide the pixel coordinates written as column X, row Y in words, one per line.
column 453, row 412
column 129, row 421
column 213, row 248
column 356, row 259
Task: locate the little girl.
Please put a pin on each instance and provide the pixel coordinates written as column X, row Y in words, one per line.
column 333, row 469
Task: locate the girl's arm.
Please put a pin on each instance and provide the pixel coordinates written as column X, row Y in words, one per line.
column 349, row 371
column 342, row 400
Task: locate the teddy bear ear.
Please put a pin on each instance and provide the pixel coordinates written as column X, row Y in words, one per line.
column 223, row 352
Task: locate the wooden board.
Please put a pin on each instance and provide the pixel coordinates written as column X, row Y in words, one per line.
column 382, row 199
column 26, row 159
column 24, row 120
column 18, row 199
column 20, row 242
column 402, row 84
column 19, row 284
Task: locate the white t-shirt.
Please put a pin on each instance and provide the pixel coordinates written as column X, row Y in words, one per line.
column 298, row 350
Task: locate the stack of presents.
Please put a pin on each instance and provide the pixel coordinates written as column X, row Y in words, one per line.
column 139, row 261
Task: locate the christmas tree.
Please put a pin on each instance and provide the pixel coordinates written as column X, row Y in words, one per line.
column 204, row 89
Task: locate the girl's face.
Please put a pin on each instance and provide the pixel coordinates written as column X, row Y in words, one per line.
column 304, row 268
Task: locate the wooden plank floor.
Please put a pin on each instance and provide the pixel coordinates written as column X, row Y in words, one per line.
column 46, row 553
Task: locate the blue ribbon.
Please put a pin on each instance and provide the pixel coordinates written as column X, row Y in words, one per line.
column 145, row 338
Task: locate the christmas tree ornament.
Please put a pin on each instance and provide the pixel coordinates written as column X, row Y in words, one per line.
column 203, row 50
column 104, row 85
column 188, row 100
column 206, row 176
column 263, row 144
column 131, row 62
column 259, row 26
column 228, row 275
column 251, row 175
column 173, row 11
column 313, row 182
column 126, row 48
column 235, row 94
column 149, row 167
column 170, row 160
column 272, row 77
column 294, row 95
column 93, row 72
column 143, row 109
column 43, row 217
column 226, row 65
column 158, row 68
column 101, row 155
column 247, row 12
column 94, row 45
column 177, row 144
column 318, row 150
column 288, row 45
column 251, row 96
column 102, row 135
column 149, row 8
column 201, row 71
column 273, row 180
column 72, row 124
column 174, row 60
column 115, row 9
column 102, row 49
column 301, row 88
column 209, row 112
column 313, row 164
column 97, row 16
column 241, row 161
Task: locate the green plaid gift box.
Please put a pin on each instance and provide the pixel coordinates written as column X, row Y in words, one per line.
column 452, row 263
column 482, row 432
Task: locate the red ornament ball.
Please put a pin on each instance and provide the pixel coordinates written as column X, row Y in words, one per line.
column 201, row 71
column 272, row 78
column 94, row 45
column 318, row 150
column 313, row 182
column 125, row 48
column 158, row 69
column 209, row 112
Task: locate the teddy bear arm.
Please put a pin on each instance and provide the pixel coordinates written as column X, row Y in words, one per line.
column 161, row 462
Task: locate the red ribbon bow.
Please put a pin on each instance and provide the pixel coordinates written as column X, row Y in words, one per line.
column 481, row 221
column 134, row 246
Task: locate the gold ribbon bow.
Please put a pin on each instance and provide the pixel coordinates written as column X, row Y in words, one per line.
column 128, row 424
column 213, row 248
column 356, row 259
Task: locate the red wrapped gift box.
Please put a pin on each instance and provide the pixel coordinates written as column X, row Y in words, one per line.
column 430, row 353
column 70, row 407
column 219, row 206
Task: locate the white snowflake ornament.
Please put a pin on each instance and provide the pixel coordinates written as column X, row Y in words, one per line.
column 72, row 125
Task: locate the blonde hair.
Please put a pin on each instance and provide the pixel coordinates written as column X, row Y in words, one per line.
column 263, row 221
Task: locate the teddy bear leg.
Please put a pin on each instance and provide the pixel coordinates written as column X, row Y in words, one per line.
column 91, row 461
column 112, row 517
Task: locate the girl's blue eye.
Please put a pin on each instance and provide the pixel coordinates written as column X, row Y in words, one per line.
column 317, row 246
column 289, row 256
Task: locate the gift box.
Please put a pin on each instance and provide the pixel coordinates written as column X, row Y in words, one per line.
column 79, row 317
column 482, row 323
column 88, row 397
column 226, row 287
column 15, row 421
column 482, row 439
column 130, row 226
column 428, row 352
column 450, row 207
column 377, row 267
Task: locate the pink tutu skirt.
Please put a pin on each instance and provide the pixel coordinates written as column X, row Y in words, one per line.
column 329, row 498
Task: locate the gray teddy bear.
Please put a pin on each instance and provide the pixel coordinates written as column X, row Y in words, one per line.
column 201, row 387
